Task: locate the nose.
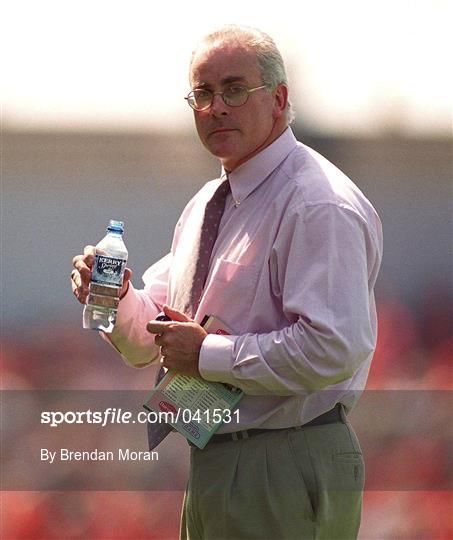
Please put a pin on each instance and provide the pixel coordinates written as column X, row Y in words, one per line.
column 218, row 106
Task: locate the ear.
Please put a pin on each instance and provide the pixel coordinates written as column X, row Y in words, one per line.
column 280, row 100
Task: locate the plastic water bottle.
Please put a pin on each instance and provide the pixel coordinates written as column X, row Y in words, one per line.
column 107, row 275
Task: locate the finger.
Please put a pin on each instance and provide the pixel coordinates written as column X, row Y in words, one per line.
column 79, row 291
column 81, row 296
column 89, row 253
column 77, row 259
column 80, row 278
column 158, row 327
column 126, row 279
column 79, row 263
column 158, row 340
column 175, row 315
column 166, row 361
column 76, row 281
column 89, row 250
column 127, row 275
column 75, row 278
column 74, row 287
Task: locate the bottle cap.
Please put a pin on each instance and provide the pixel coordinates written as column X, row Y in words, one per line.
column 116, row 226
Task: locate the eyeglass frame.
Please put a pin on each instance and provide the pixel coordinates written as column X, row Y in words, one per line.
column 249, row 91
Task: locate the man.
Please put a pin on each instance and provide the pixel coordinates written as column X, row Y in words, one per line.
column 291, row 272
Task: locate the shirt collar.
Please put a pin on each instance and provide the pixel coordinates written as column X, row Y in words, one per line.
column 248, row 176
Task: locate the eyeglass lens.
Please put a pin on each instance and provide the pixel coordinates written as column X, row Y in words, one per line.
column 233, row 96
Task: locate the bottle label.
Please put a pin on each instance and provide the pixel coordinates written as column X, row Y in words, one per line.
column 108, row 270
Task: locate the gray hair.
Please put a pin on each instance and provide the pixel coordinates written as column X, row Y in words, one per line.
column 270, row 61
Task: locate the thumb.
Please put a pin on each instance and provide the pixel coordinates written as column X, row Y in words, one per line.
column 175, row 315
column 127, row 274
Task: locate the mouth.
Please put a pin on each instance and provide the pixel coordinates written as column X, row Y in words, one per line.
column 221, row 130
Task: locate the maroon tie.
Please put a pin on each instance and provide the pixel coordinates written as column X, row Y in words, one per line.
column 193, row 281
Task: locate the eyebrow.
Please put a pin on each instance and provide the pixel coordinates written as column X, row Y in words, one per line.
column 227, row 80
column 231, row 79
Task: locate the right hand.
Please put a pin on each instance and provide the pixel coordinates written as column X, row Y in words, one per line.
column 81, row 275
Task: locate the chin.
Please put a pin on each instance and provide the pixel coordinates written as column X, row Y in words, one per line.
column 221, row 151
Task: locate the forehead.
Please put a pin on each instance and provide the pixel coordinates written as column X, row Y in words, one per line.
column 215, row 62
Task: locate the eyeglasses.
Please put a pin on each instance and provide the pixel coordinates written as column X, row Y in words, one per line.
column 201, row 99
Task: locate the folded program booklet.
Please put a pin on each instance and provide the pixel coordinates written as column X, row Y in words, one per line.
column 195, row 407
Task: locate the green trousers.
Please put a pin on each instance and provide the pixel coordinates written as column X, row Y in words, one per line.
column 288, row 484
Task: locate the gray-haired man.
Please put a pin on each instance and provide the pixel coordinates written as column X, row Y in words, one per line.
column 292, row 272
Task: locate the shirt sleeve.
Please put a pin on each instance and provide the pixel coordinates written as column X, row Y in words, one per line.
column 130, row 337
column 323, row 266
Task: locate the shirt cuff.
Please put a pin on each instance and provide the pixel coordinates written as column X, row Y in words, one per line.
column 216, row 359
column 126, row 306
column 126, row 309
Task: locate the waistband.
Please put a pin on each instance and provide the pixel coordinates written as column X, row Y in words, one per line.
column 336, row 414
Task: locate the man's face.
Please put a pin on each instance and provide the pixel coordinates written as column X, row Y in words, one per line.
column 233, row 134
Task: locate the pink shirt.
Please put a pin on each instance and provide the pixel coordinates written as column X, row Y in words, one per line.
column 292, row 273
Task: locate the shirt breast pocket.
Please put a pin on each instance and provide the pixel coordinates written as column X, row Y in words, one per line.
column 230, row 291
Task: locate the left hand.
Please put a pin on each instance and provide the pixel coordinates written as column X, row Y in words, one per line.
column 179, row 340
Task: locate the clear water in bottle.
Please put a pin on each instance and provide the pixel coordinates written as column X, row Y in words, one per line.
column 106, row 280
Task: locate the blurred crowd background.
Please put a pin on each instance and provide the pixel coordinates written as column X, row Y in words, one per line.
column 73, row 158
column 61, row 189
